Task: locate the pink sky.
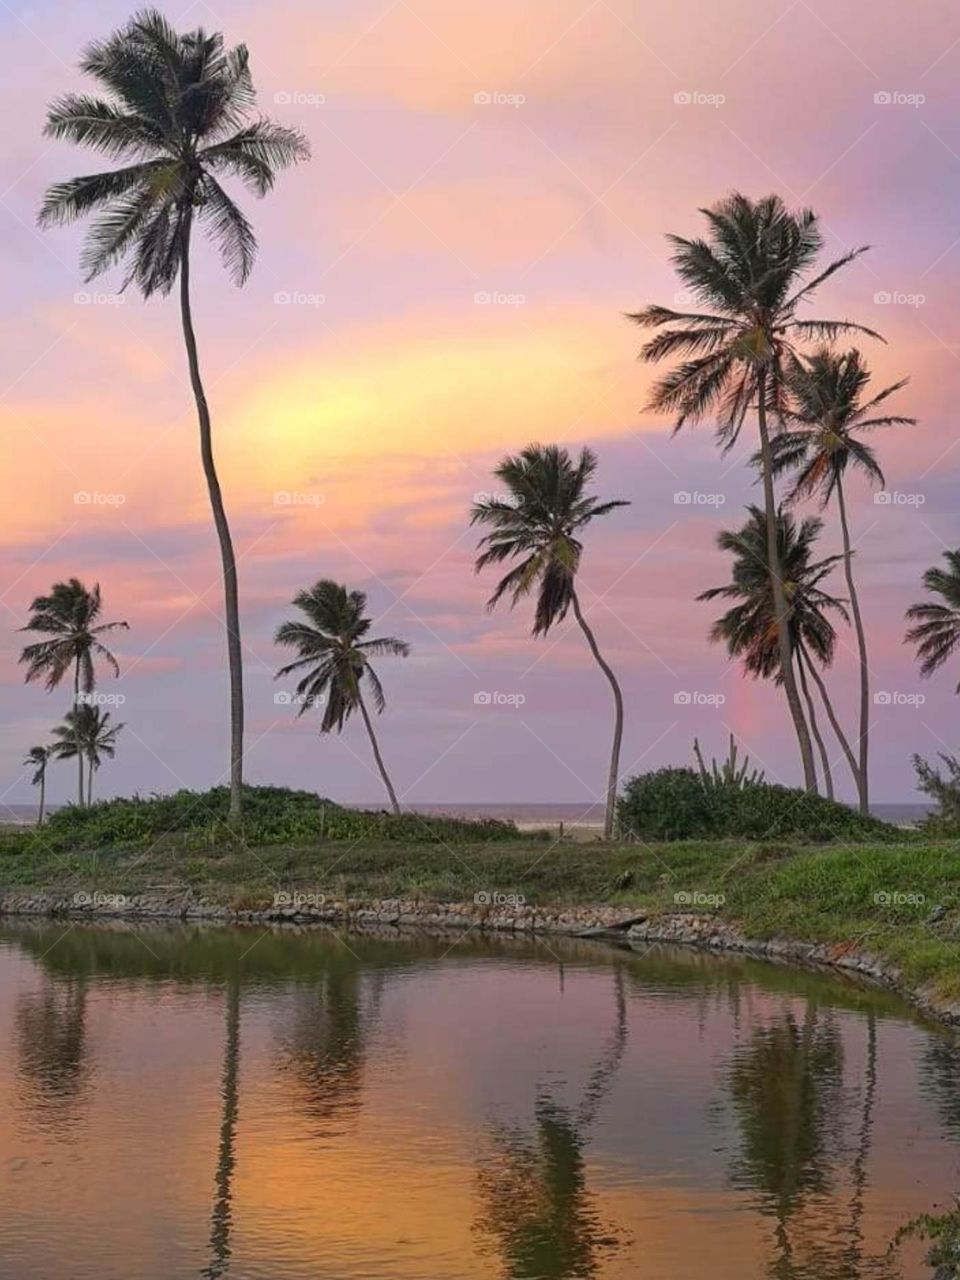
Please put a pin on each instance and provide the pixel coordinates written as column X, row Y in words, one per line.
column 383, row 393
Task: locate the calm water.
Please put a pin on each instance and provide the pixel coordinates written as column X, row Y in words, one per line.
column 205, row 1103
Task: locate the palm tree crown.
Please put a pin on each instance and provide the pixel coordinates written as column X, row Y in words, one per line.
column 749, row 629
column 87, row 728
column 334, row 655
column 749, row 275
column 177, row 109
column 37, row 758
column 827, row 411
column 539, row 523
column 69, row 615
column 937, row 633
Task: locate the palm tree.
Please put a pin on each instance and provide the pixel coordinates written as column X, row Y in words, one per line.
column 749, row 629
column 38, row 758
column 69, row 616
column 750, row 275
column 937, row 633
column 86, row 731
column 335, row 659
column 827, row 413
column 177, row 109
column 547, row 509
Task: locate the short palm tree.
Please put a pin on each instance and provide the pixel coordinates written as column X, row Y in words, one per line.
column 749, row 628
column 540, row 525
column 86, row 731
column 176, row 111
column 937, row 630
column 751, row 276
column 38, row 758
column 829, row 409
column 335, row 660
column 69, row 615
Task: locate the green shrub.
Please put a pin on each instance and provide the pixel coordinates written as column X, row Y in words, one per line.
column 674, row 804
column 271, row 815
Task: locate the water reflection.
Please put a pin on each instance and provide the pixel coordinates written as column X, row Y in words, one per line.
column 561, row 1134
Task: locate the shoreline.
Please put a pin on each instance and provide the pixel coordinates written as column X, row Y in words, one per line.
column 629, row 925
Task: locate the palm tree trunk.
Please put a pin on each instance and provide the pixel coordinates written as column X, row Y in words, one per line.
column 779, row 599
column 863, row 783
column 76, row 736
column 815, row 728
column 43, row 786
column 613, row 777
column 89, row 783
column 230, row 595
column 221, row 1218
column 831, row 714
column 376, row 753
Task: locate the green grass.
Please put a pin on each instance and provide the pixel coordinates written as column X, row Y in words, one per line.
column 826, row 894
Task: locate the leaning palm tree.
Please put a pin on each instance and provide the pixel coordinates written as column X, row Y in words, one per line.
column 86, row 730
column 828, row 410
column 176, row 110
column 335, row 660
column 749, row 628
column 937, row 633
column 38, row 758
column 69, row 616
column 751, row 277
column 540, row 524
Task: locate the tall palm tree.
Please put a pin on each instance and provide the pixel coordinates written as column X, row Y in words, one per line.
column 176, row 109
column 69, row 615
column 335, row 660
column 937, row 633
column 827, row 412
column 38, row 758
column 749, row 629
column 86, row 731
column 548, row 507
column 751, row 276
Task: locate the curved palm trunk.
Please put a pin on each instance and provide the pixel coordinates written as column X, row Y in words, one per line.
column 862, row 783
column 230, row 595
column 76, row 736
column 376, row 753
column 43, row 786
column 779, row 599
column 614, row 775
column 831, row 714
column 815, row 728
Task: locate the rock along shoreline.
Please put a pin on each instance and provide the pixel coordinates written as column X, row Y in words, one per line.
column 624, row 925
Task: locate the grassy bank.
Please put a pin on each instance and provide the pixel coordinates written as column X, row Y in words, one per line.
column 898, row 901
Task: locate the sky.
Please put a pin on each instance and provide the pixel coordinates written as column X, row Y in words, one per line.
column 446, row 281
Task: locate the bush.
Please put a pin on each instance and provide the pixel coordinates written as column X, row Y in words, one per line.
column 674, row 804
column 271, row 815
column 945, row 790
